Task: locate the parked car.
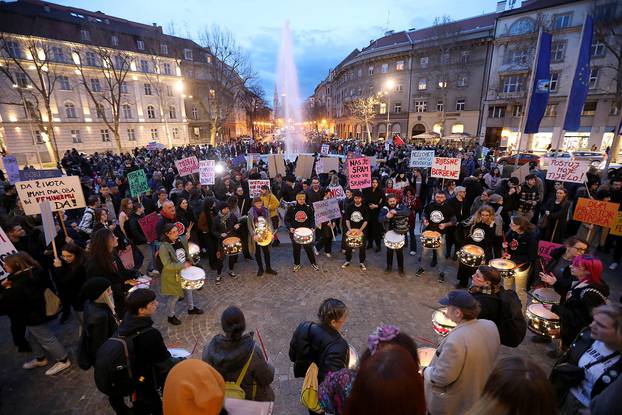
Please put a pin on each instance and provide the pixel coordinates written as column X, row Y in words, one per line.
column 523, row 158
column 596, row 158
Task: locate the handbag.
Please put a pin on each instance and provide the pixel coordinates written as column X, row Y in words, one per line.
column 52, row 303
column 309, row 395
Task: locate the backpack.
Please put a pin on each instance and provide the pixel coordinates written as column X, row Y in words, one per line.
column 233, row 389
column 512, row 326
column 309, row 395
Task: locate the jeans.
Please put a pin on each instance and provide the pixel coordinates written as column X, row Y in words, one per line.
column 42, row 340
column 520, row 280
column 172, row 302
column 221, row 263
column 266, row 254
column 308, row 249
column 436, row 253
column 361, row 252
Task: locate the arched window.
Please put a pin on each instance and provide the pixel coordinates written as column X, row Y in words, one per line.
column 396, row 128
column 418, row 129
column 382, row 130
column 150, row 112
column 127, row 111
column 457, row 128
column 70, row 110
column 172, row 112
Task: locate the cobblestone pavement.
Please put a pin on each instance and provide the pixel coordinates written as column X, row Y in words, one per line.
column 272, row 304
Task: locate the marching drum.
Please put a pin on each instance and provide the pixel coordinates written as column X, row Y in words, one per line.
column 354, row 238
column 393, row 240
column 426, row 354
column 353, row 357
column 542, row 321
column 262, row 232
column 179, row 353
column 431, row 239
column 195, row 252
column 546, row 295
column 441, row 324
column 141, row 282
column 504, row 266
column 303, row 236
column 192, row 278
column 232, row 245
column 471, row 255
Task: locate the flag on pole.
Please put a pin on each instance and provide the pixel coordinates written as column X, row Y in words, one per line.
column 540, row 87
column 580, row 83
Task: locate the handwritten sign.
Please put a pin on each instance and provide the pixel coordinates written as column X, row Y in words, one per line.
column 32, row 174
column 326, row 210
column 6, row 249
column 446, row 167
column 616, row 228
column 207, row 172
column 187, row 166
column 12, row 168
column 319, row 165
column 567, row 170
column 596, row 212
column 254, row 187
column 148, row 225
column 359, row 173
column 137, row 181
column 421, row 158
column 337, row 192
column 324, row 149
column 64, row 193
column 544, row 250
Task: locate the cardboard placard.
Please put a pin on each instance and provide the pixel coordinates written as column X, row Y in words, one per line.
column 32, row 174
column 254, row 187
column 239, row 160
column 616, row 228
column 64, row 193
column 12, row 168
column 326, row 210
column 337, row 192
column 596, row 212
column 445, row 168
column 207, row 172
column 521, row 173
column 359, row 173
column 276, row 165
column 6, row 248
column 574, row 171
column 47, row 220
column 148, row 225
column 304, row 166
column 544, row 250
column 330, row 163
column 325, row 149
column 137, row 181
column 421, row 158
column 187, row 166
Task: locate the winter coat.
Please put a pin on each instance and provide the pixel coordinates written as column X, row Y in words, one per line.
column 25, row 297
column 133, row 230
column 117, row 279
column 556, row 220
column 98, row 326
column 171, row 268
column 271, row 203
column 300, row 216
column 69, row 279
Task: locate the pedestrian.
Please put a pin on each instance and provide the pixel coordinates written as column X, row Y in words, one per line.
column 225, row 225
column 394, row 217
column 521, row 247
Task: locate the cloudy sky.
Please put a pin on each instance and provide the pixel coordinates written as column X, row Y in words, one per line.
column 324, row 31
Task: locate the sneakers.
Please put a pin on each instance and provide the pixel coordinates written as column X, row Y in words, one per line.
column 419, row 272
column 315, row 267
column 174, row 321
column 195, row 310
column 441, row 277
column 613, row 266
column 233, row 274
column 58, row 367
column 345, row 265
column 35, row 363
column 296, row 268
column 315, row 251
column 328, row 255
column 271, row 272
column 218, row 279
column 363, row 267
column 413, row 253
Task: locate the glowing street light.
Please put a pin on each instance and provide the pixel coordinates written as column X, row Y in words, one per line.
column 389, row 85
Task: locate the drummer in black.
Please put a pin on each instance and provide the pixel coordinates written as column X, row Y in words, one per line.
column 439, row 217
column 301, row 216
column 356, row 216
column 481, row 231
column 394, row 217
column 225, row 225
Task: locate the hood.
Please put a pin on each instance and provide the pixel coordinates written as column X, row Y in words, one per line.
column 229, row 355
column 132, row 324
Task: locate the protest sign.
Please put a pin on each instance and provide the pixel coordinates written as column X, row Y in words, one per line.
column 304, row 166
column 238, row 160
column 47, row 220
column 330, row 163
column 485, row 151
column 597, row 212
column 137, row 181
column 421, row 158
column 276, row 165
column 207, row 173
column 32, row 174
column 187, row 166
column 254, row 187
column 544, row 250
column 148, row 225
column 326, row 210
column 64, row 193
column 445, row 167
column 6, row 249
column 337, row 192
column 319, row 166
column 324, row 149
column 12, row 168
column 521, row 172
column 616, row 228
column 154, row 146
column 359, row 173
column 574, row 171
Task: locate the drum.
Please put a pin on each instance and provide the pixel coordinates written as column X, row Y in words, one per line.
column 142, row 282
column 542, row 321
column 431, row 239
column 353, row 361
column 426, row 354
column 262, row 232
column 195, row 252
column 232, row 245
column 441, row 324
column 354, row 238
column 393, row 240
column 303, row 236
column 546, row 295
column 471, row 255
column 192, row 278
column 179, row 353
column 504, row 266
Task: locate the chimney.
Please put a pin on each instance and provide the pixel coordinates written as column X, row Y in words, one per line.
column 389, row 32
column 501, row 6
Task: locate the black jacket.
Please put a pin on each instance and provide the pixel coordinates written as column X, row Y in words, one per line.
column 492, row 307
column 69, row 279
column 523, row 248
column 98, row 326
column 133, row 230
column 25, row 297
column 300, row 216
column 437, row 214
column 562, row 285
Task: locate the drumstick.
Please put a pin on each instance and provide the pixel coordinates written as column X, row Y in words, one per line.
column 262, row 346
column 530, row 295
column 425, row 340
column 195, row 347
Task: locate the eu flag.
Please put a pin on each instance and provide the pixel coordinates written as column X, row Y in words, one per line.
column 580, row 83
column 540, row 87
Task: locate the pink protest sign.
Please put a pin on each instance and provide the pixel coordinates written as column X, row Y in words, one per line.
column 187, row 166
column 445, row 167
column 359, row 173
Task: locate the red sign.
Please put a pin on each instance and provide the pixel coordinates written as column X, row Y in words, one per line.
column 596, row 212
column 148, row 225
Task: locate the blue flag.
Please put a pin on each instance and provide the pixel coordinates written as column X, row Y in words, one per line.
column 581, row 81
column 540, row 88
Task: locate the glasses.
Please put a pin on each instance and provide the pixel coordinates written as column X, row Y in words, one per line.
column 580, row 249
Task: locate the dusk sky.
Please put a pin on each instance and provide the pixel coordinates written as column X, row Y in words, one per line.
column 324, row 32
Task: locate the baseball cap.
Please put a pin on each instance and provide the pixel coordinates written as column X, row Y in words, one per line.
column 459, row 298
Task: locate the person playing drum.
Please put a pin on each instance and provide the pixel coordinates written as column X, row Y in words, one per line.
column 301, row 216
column 225, row 225
column 255, row 215
column 356, row 218
column 521, row 247
column 393, row 216
column 174, row 256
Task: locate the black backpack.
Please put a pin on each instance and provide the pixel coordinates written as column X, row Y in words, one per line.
column 512, row 325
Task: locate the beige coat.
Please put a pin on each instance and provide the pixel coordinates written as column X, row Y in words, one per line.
column 458, row 372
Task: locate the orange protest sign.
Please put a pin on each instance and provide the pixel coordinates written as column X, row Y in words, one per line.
column 596, row 212
column 616, row 229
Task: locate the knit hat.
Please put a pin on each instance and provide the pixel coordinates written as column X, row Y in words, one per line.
column 193, row 387
column 94, row 287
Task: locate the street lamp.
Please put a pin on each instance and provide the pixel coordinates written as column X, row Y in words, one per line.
column 389, row 85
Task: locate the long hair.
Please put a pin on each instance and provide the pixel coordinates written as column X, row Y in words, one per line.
column 99, row 252
column 125, row 205
column 76, row 250
column 592, row 265
column 523, row 223
column 21, row 261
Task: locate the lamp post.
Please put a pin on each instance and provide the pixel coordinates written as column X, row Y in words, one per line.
column 389, row 84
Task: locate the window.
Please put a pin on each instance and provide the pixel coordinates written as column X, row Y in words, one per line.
column 561, row 21
column 558, row 50
column 370, row 70
column 148, row 89
column 440, row 106
column 150, row 112
column 463, row 80
column 423, row 84
column 140, row 45
column 119, row 62
column 58, row 55
column 421, row 106
column 21, row 80
column 167, row 68
column 39, row 137
column 127, row 111
column 95, row 85
column 195, row 113
column 163, row 48
column 464, row 56
column 144, row 66
column 172, row 112
column 384, row 68
column 208, row 58
column 114, row 39
column 85, row 35
column 589, row 108
column 63, row 83
column 175, row 131
column 91, row 59
column 496, row 111
column 359, row 72
column 169, row 91
column 397, row 108
column 212, row 93
column 424, row 62
column 75, row 136
column 513, row 84
column 597, row 49
column 399, row 88
column 457, row 128
column 33, row 112
column 100, row 111
column 105, row 135
column 124, row 88
column 131, row 134
column 553, row 81
column 519, row 57
column 188, row 54
column 154, row 134
column 460, row 104
column 442, row 83
column 445, row 58
column 383, row 108
column 517, row 110
column 551, row 110
column 593, row 78
column 13, row 49
column 399, row 66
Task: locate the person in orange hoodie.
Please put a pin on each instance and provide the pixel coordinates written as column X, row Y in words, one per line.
column 193, row 387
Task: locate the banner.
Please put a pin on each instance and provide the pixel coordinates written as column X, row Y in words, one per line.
column 137, row 181
column 326, row 210
column 324, row 149
column 304, row 166
column 32, row 174
column 187, row 166
column 276, row 165
column 561, row 170
column 64, row 193
column 207, row 174
column 596, row 212
column 421, row 158
column 616, row 228
column 12, row 168
column 581, row 80
column 148, row 225
column 254, row 187
column 337, row 192
column 544, row 250
column 47, row 220
column 359, row 173
column 540, row 88
column 445, row 167
column 6, row 249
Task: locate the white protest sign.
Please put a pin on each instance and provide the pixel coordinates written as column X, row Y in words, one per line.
column 254, row 187
column 326, row 210
column 319, row 166
column 445, row 167
column 324, row 149
column 485, row 151
column 421, row 158
column 12, row 168
column 64, row 193
column 567, row 170
column 187, row 166
column 47, row 220
column 6, row 249
column 337, row 192
column 207, row 174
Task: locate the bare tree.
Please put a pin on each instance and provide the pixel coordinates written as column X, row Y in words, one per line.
column 364, row 110
column 162, row 90
column 253, row 101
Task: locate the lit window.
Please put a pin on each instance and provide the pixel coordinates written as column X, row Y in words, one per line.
column 421, row 106
column 442, row 83
column 140, row 45
column 457, row 128
column 70, row 110
column 399, row 66
column 383, row 108
column 460, row 104
column 551, row 110
column 423, row 84
column 150, row 112
column 75, row 136
column 105, row 135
